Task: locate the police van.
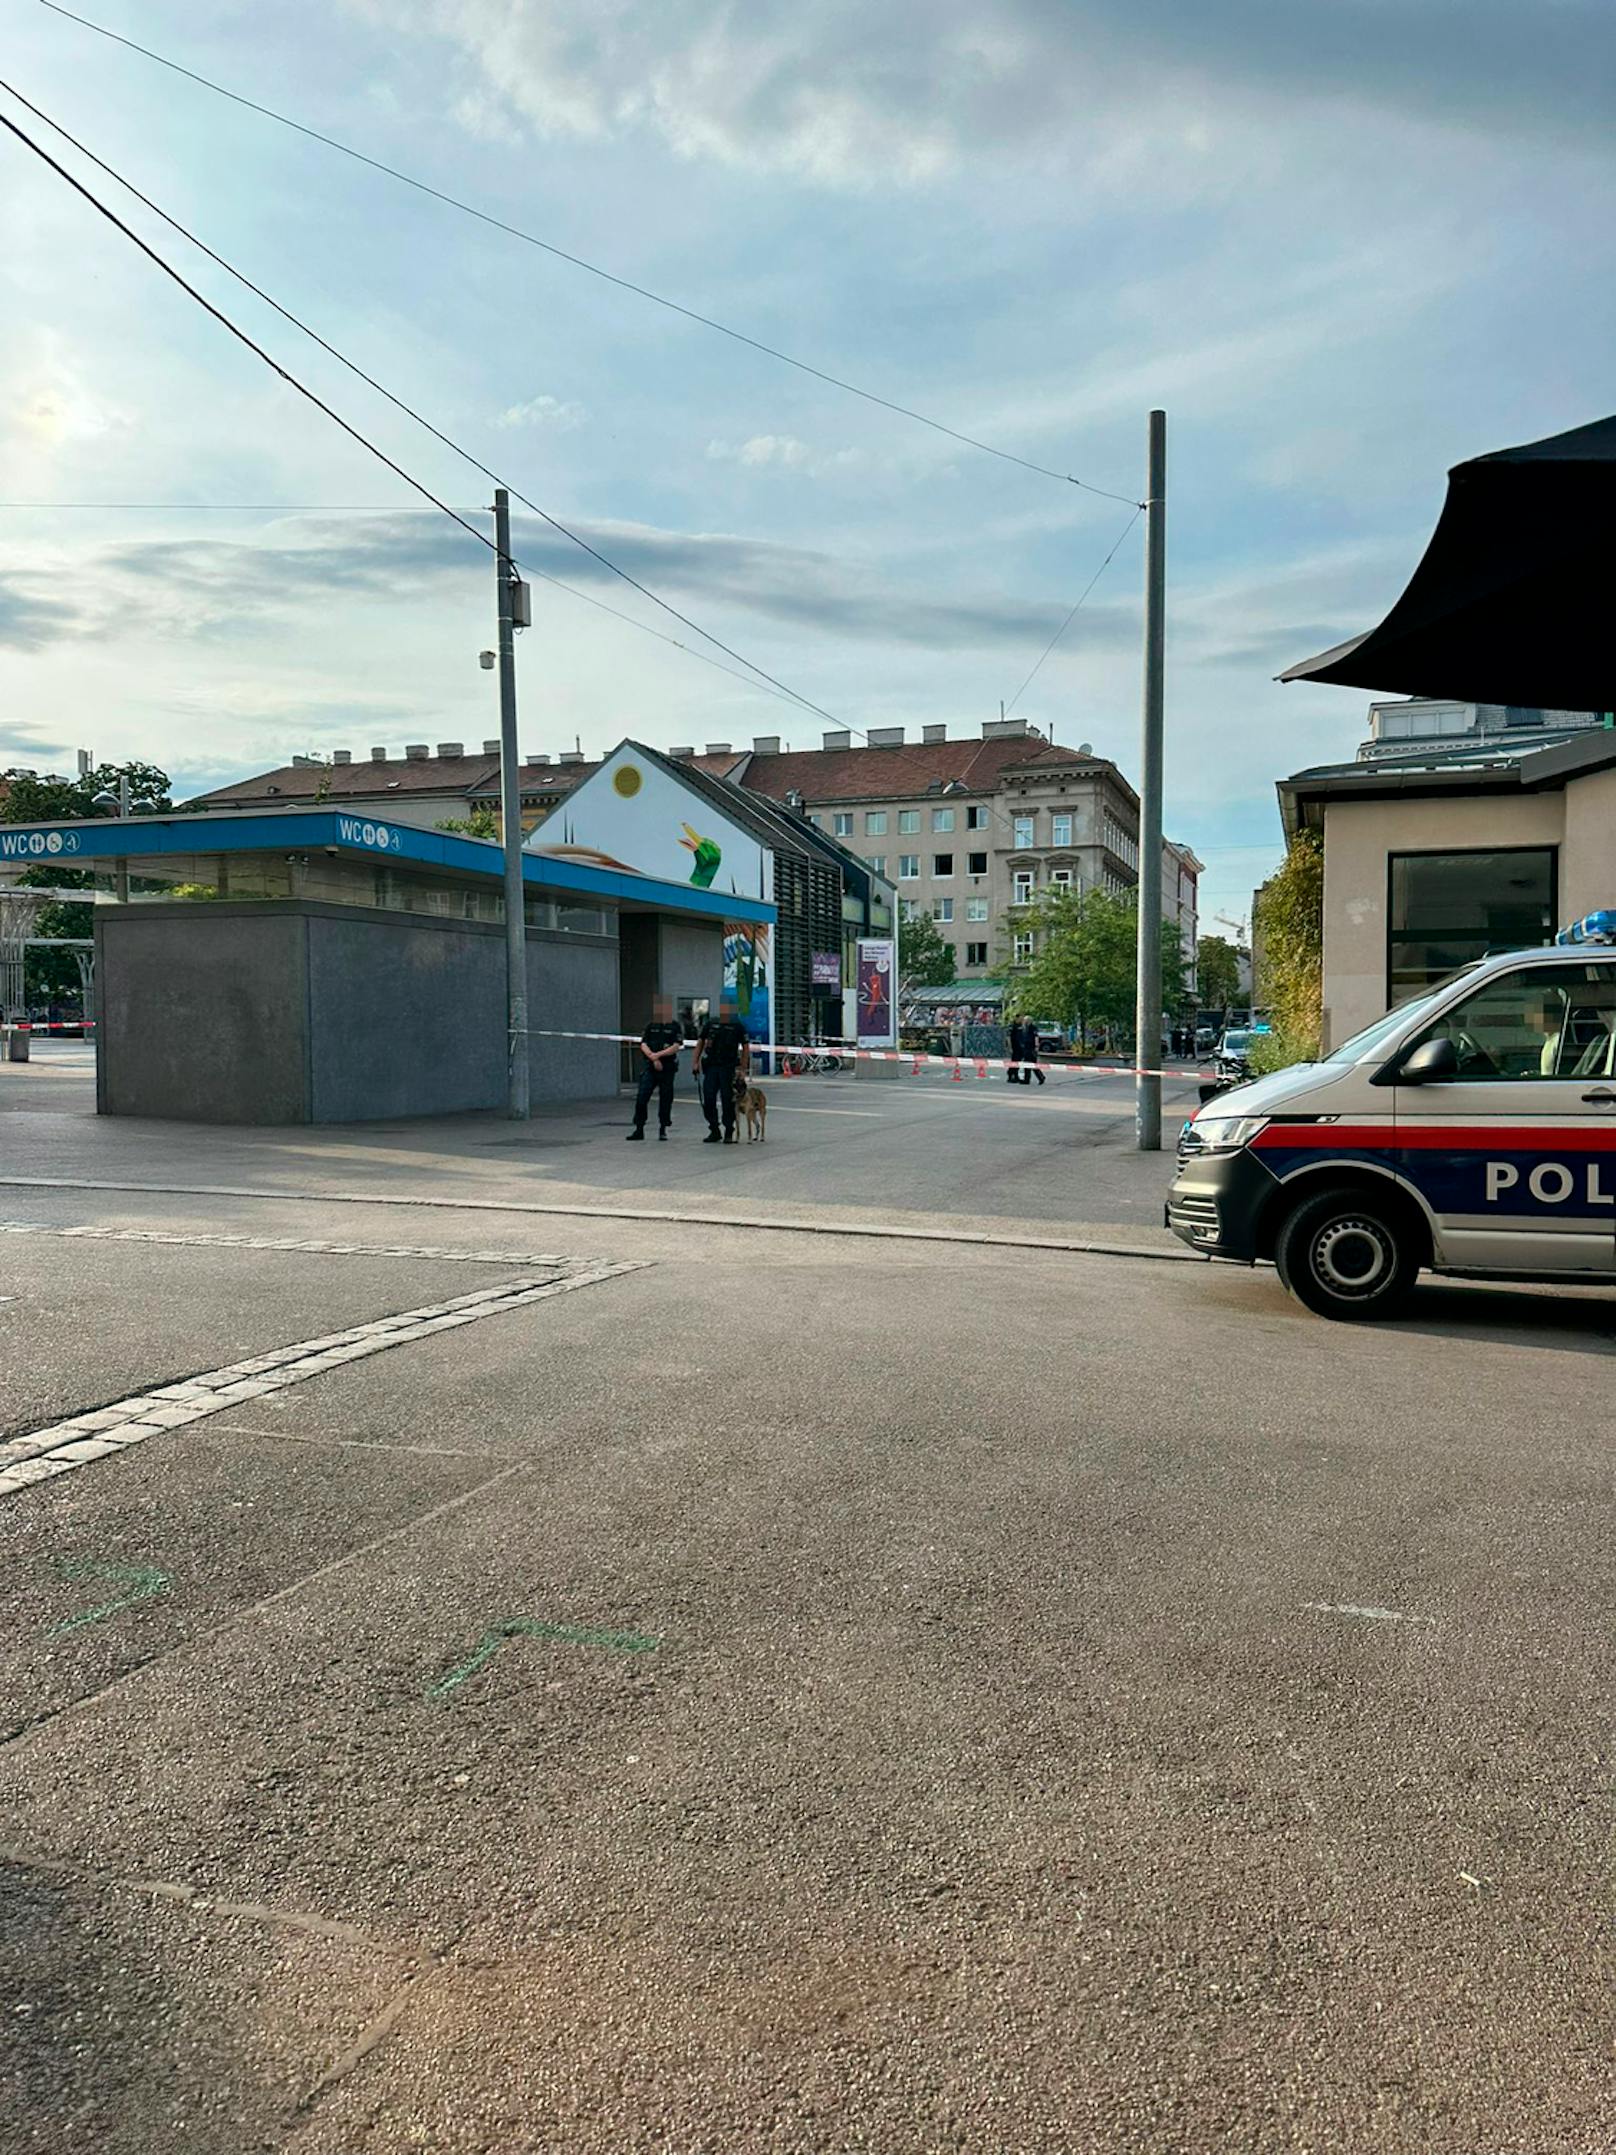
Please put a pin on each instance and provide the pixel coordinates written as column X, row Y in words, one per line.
column 1471, row 1132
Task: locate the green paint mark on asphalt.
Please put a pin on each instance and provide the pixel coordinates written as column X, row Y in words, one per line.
column 143, row 1580
column 523, row 1627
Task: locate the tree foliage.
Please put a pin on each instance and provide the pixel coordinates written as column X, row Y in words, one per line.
column 53, row 975
column 481, row 823
column 1083, row 970
column 924, row 959
column 1290, row 922
column 1217, row 972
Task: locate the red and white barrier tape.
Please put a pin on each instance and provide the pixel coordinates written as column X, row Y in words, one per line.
column 916, row 1058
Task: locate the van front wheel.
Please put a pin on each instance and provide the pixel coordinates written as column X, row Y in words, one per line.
column 1346, row 1253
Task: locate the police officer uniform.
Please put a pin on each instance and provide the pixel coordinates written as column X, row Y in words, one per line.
column 658, row 1077
column 723, row 1042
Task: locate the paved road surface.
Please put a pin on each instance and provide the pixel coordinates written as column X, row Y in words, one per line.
column 805, row 1693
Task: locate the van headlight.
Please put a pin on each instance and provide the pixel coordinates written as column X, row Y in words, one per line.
column 1219, row 1133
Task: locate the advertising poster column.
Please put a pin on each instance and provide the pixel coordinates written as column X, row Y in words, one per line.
column 877, row 992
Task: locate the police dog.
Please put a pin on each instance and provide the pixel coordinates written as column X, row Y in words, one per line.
column 752, row 1102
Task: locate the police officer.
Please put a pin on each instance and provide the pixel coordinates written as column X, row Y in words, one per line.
column 659, row 1066
column 722, row 1052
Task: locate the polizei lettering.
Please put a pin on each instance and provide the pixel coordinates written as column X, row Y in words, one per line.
column 1552, row 1182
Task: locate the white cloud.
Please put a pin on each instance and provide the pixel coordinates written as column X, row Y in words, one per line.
column 543, row 412
column 781, row 452
column 844, row 93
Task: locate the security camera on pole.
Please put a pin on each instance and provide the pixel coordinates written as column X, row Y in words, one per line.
column 515, row 611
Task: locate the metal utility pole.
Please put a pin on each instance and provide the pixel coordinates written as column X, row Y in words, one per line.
column 1148, row 1006
column 510, row 807
column 121, row 870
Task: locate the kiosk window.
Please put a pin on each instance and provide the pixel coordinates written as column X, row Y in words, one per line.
column 1446, row 909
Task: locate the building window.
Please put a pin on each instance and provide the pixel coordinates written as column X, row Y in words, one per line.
column 976, row 864
column 878, row 863
column 943, row 909
column 1120, row 841
column 875, row 823
column 1023, row 949
column 1443, row 909
column 908, row 867
column 909, row 909
column 976, row 909
column 942, row 819
column 976, row 819
column 942, row 864
column 1021, row 887
column 1024, row 833
column 1061, row 878
column 976, row 954
column 841, row 825
column 1060, row 830
column 908, row 821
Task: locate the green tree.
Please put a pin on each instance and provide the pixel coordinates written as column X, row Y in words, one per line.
column 924, row 959
column 53, row 975
column 1290, row 922
column 1217, row 972
column 1083, row 970
column 481, row 823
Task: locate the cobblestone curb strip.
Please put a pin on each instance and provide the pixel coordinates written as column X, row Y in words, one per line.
column 44, row 1453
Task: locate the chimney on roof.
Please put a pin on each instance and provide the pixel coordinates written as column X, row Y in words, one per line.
column 1004, row 729
column 766, row 744
column 932, row 734
column 719, row 748
column 491, row 748
column 451, row 748
column 684, row 754
column 839, row 740
column 378, row 755
column 885, row 737
column 538, row 759
column 795, row 800
column 571, row 755
column 416, row 752
column 342, row 755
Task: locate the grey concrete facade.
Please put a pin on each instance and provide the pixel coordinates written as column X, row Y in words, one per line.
column 291, row 1011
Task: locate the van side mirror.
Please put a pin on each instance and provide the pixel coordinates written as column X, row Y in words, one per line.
column 1431, row 1060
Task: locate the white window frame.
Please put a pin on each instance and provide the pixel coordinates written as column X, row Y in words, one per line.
column 1061, row 878
column 978, row 909
column 937, row 861
column 1022, row 947
column 942, row 819
column 1022, row 885
column 908, row 867
column 976, row 819
column 878, row 864
column 875, row 822
column 1060, row 830
column 841, row 823
column 1024, row 834
column 982, row 948
column 908, row 822
column 943, row 911
column 985, row 858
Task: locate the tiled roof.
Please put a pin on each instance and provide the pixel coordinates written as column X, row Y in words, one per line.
column 340, row 781
column 881, row 774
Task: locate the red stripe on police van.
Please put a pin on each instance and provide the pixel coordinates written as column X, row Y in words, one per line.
column 1590, row 1136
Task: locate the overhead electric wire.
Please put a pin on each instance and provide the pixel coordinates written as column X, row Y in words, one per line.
column 561, row 254
column 1076, row 609
column 241, row 335
column 764, row 679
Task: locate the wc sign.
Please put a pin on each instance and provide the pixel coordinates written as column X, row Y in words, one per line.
column 381, row 837
column 37, row 845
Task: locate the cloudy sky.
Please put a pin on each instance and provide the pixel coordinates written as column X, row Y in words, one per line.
column 1344, row 243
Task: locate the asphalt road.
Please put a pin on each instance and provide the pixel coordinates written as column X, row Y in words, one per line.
column 813, row 1692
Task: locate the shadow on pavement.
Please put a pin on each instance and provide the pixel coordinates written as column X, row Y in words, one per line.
column 1582, row 1320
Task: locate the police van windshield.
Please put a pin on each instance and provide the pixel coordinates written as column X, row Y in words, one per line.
column 1373, row 1036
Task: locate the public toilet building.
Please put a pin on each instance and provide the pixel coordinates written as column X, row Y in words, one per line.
column 316, row 966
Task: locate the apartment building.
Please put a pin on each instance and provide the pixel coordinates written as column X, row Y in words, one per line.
column 967, row 829
column 970, row 830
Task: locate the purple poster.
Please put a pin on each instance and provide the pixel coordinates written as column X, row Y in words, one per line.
column 877, row 1017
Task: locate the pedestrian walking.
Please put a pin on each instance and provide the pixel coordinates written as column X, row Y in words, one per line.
column 1024, row 1051
column 723, row 1052
column 659, row 1067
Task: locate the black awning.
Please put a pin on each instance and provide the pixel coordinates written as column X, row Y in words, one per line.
column 1515, row 598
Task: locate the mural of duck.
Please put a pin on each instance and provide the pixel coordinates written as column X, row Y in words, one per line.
column 707, row 855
